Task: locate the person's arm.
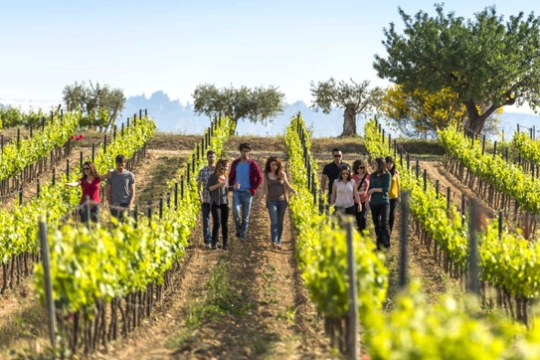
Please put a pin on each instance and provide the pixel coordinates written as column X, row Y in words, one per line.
column 258, row 176
column 106, row 176
column 288, row 184
column 324, row 178
column 108, row 193
column 199, row 190
column 398, row 184
column 131, row 194
column 355, row 194
column 385, row 187
column 232, row 173
column 333, row 197
column 264, row 191
column 74, row 183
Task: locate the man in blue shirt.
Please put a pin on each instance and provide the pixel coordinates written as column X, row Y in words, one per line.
column 247, row 174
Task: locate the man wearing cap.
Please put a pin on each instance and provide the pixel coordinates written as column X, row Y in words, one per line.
column 246, row 177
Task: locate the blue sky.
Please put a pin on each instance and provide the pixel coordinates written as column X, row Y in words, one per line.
column 145, row 46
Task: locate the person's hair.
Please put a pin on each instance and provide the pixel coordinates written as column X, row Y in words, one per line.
column 244, row 146
column 120, row 159
column 220, row 167
column 93, row 170
column 357, row 164
column 381, row 166
column 390, row 159
column 210, row 152
column 335, row 150
column 268, row 169
column 341, row 170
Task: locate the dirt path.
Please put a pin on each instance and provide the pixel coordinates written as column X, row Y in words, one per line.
column 243, row 303
column 154, row 173
column 436, row 171
column 22, row 317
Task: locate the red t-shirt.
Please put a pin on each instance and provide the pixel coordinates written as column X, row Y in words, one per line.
column 90, row 189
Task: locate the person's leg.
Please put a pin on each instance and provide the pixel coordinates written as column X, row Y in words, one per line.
column 273, row 213
column 363, row 217
column 207, row 235
column 376, row 214
column 236, row 212
column 281, row 208
column 225, row 225
column 351, row 210
column 216, row 222
column 94, row 213
column 246, row 199
column 358, row 217
column 83, row 212
column 392, row 213
column 384, row 225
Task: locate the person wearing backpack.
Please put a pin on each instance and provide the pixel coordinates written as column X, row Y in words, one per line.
column 361, row 176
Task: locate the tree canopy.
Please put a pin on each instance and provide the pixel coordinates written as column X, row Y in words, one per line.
column 352, row 97
column 99, row 104
column 258, row 104
column 487, row 62
column 421, row 112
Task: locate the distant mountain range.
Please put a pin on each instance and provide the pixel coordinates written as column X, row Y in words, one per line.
column 172, row 116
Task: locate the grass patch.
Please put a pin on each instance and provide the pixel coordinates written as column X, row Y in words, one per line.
column 221, row 299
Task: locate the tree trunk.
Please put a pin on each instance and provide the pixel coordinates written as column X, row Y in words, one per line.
column 349, row 121
column 476, row 121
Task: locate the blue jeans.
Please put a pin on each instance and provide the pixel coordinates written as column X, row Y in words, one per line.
column 207, row 235
column 241, row 199
column 276, row 210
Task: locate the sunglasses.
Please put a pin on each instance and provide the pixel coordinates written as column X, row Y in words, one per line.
column 86, row 168
column 337, row 155
column 361, row 167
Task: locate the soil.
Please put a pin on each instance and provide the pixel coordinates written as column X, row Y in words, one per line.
column 269, row 314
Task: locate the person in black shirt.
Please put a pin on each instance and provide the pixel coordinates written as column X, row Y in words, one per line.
column 331, row 171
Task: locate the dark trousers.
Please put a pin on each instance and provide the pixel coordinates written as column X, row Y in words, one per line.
column 361, row 218
column 352, row 210
column 393, row 206
column 207, row 235
column 119, row 213
column 220, row 217
column 380, row 215
column 94, row 213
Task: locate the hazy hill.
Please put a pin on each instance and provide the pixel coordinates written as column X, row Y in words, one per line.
column 173, row 116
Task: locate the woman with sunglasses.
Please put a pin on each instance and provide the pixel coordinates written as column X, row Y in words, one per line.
column 361, row 176
column 344, row 193
column 379, row 202
column 90, row 189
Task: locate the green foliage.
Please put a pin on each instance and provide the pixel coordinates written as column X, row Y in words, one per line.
column 330, row 94
column 352, row 97
column 505, row 177
column 12, row 117
column 99, row 264
column 15, row 158
column 486, row 61
column 322, row 247
column 452, row 329
column 257, row 104
column 528, row 148
column 100, row 105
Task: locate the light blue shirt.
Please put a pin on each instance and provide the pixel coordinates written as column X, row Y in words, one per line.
column 242, row 176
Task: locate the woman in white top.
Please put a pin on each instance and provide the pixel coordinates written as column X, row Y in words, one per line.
column 344, row 193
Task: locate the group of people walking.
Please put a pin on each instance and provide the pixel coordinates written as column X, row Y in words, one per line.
column 366, row 187
column 243, row 177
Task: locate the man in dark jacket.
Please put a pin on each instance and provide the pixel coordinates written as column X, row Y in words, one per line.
column 247, row 174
